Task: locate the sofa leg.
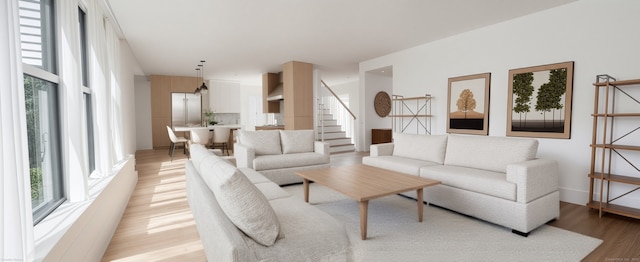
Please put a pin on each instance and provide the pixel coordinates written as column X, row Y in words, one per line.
column 519, row 233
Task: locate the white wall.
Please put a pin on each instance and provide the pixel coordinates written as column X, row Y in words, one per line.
column 128, row 68
column 371, row 85
column 144, row 139
column 352, row 89
column 600, row 36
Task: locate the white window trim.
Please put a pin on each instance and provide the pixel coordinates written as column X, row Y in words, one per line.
column 39, row 73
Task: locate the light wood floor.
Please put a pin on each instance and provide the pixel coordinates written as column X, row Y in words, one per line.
column 158, row 225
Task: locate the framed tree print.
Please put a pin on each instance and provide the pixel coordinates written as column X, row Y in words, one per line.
column 539, row 101
column 468, row 104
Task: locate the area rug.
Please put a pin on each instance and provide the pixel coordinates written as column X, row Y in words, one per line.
column 394, row 233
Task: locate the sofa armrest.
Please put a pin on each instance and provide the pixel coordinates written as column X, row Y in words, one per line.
column 322, row 148
column 244, row 155
column 533, row 178
column 385, row 149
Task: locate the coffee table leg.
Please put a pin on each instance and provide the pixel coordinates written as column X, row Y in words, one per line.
column 420, row 205
column 364, row 207
column 305, row 185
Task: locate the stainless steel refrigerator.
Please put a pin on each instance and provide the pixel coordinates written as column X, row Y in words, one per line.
column 186, row 109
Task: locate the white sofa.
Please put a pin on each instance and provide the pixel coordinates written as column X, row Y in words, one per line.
column 497, row 179
column 242, row 216
column 279, row 154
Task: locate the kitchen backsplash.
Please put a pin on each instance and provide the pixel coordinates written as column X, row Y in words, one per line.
column 227, row 118
column 274, row 119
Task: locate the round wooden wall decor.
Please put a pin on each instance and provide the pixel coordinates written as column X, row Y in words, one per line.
column 382, row 104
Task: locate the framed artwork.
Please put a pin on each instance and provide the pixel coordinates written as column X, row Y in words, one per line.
column 468, row 104
column 540, row 101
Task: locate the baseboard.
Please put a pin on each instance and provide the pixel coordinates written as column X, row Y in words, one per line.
column 579, row 197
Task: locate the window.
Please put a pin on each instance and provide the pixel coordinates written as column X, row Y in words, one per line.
column 43, row 134
column 37, row 34
column 41, row 102
column 88, row 118
column 88, row 112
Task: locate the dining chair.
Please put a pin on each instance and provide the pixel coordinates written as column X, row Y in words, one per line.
column 175, row 140
column 200, row 136
column 203, row 137
column 221, row 138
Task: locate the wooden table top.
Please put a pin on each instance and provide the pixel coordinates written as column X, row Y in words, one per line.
column 363, row 182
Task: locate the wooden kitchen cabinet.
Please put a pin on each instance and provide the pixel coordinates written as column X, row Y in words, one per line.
column 224, row 96
column 269, row 82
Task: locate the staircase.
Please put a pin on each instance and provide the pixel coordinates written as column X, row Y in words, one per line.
column 333, row 134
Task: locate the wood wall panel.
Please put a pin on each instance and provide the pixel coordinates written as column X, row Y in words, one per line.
column 159, row 129
column 160, row 96
column 298, row 94
column 161, row 89
column 184, row 84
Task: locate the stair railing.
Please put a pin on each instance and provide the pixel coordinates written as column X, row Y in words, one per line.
column 336, row 106
column 338, row 98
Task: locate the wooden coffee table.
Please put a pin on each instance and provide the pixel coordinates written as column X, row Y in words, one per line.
column 363, row 183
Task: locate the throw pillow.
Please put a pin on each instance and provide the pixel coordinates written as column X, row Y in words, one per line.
column 264, row 142
column 246, row 207
column 297, row 141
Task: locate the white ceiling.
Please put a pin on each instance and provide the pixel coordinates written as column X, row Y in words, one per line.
column 241, row 39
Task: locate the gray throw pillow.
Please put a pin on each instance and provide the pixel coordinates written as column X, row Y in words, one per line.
column 246, row 207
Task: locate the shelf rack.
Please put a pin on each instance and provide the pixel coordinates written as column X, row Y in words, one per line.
column 606, row 148
column 408, row 111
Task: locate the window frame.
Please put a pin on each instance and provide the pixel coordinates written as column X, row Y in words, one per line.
column 47, row 71
column 89, row 134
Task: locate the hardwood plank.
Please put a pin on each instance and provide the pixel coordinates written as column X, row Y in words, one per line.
column 157, row 224
column 162, row 228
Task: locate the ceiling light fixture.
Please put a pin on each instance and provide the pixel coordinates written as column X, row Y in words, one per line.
column 198, row 90
column 203, row 88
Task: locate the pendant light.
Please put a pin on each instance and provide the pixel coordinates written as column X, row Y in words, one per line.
column 203, row 88
column 198, row 90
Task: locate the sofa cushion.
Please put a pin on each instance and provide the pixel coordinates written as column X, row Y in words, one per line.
column 253, row 176
column 264, row 142
column 311, row 234
column 297, row 141
column 423, row 147
column 471, row 179
column 272, row 191
column 240, row 200
column 399, row 164
column 198, row 152
column 291, row 160
column 489, row 153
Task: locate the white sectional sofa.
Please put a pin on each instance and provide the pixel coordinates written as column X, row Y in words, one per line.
column 242, row 216
column 497, row 179
column 279, row 154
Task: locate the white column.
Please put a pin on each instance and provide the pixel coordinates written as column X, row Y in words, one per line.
column 16, row 221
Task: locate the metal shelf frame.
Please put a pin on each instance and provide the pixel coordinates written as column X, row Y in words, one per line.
column 411, row 111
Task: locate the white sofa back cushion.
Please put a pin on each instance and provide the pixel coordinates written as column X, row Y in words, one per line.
column 489, row 153
column 198, row 153
column 241, row 201
column 264, row 142
column 297, row 141
column 422, row 147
